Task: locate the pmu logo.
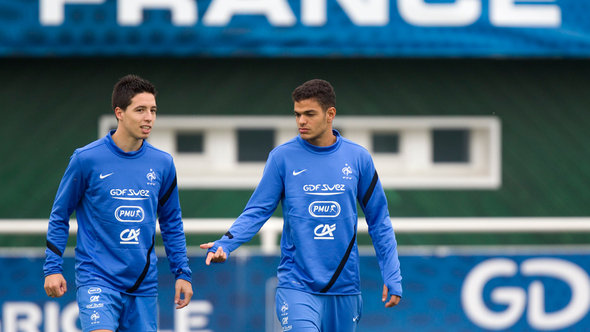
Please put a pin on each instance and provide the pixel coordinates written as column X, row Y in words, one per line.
column 130, row 236
column 324, row 232
column 324, row 209
column 516, row 299
column 94, row 290
column 129, row 214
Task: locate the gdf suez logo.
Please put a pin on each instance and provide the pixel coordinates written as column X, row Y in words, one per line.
column 517, row 299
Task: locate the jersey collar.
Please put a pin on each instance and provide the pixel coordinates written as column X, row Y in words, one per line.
column 322, row 149
column 133, row 154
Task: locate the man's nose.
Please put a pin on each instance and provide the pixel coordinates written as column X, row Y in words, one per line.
column 302, row 120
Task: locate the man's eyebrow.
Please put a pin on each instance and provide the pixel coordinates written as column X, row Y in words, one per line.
column 144, row 106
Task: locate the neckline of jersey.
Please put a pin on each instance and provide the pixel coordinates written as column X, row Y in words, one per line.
column 322, row 149
column 117, row 150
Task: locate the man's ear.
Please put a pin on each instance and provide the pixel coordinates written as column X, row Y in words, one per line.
column 331, row 113
column 118, row 112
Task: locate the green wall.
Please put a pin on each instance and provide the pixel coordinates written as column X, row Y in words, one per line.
column 51, row 107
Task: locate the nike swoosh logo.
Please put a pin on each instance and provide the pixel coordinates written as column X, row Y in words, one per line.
column 297, row 173
column 105, row 176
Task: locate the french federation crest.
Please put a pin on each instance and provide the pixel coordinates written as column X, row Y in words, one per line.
column 347, row 171
column 151, row 175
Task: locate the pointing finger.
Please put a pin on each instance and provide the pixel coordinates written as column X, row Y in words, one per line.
column 207, row 245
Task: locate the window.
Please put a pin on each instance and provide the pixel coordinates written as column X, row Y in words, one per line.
column 189, row 142
column 254, row 144
column 385, row 142
column 438, row 152
column 450, row 145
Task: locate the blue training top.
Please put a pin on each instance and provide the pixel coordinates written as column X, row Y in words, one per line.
column 118, row 196
column 319, row 188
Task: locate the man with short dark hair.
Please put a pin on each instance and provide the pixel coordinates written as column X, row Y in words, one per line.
column 119, row 185
column 318, row 177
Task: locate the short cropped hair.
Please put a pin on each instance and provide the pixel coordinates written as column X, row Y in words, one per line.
column 129, row 86
column 320, row 90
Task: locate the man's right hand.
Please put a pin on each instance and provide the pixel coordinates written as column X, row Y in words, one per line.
column 55, row 285
column 216, row 257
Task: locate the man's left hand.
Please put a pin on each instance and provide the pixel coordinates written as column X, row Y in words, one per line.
column 393, row 300
column 185, row 288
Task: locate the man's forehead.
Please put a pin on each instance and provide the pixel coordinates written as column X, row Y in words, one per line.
column 144, row 98
column 307, row 104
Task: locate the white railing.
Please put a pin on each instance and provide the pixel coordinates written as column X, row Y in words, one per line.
column 272, row 229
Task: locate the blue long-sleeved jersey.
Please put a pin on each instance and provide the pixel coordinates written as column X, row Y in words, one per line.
column 117, row 197
column 319, row 188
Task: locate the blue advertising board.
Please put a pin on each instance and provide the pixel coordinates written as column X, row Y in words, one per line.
column 500, row 290
column 295, row 28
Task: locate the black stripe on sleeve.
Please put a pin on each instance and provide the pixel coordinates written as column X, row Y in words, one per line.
column 53, row 248
column 229, row 235
column 145, row 269
column 168, row 192
column 370, row 190
column 340, row 266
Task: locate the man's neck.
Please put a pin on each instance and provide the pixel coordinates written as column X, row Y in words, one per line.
column 325, row 140
column 126, row 142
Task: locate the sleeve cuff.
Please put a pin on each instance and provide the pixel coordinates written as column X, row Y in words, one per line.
column 184, row 274
column 214, row 249
column 395, row 289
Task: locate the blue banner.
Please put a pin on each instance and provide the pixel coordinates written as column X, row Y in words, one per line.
column 295, row 28
column 532, row 291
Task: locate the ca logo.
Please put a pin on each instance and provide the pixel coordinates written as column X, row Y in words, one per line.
column 324, row 232
column 516, row 298
column 130, row 236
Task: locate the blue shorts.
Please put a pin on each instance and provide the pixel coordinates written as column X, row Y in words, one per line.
column 104, row 308
column 301, row 311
